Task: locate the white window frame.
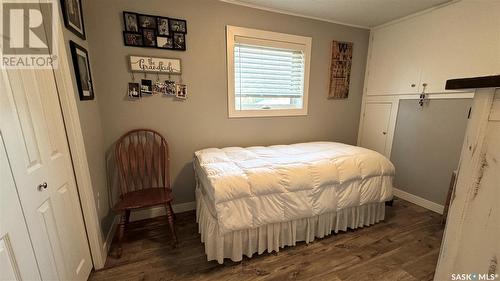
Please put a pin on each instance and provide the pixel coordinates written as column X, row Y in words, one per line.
column 273, row 38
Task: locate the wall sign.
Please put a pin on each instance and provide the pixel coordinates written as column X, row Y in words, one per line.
column 155, row 65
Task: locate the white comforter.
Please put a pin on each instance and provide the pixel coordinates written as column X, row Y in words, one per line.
column 255, row 186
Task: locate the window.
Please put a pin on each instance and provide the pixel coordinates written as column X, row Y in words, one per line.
column 268, row 73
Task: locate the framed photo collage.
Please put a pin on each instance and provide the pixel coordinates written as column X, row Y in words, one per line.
column 154, row 31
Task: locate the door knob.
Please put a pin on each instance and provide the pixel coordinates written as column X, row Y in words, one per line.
column 42, row 186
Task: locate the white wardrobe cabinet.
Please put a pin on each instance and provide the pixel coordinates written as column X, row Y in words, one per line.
column 435, row 46
column 394, row 63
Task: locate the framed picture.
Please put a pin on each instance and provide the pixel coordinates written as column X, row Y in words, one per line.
column 149, row 37
column 181, row 91
column 164, row 42
column 132, row 39
column 159, row 88
column 146, row 87
column 73, row 17
column 170, row 88
column 133, row 90
column 340, row 70
column 146, row 21
column 162, row 26
column 130, row 21
column 178, row 25
column 81, row 66
column 179, row 41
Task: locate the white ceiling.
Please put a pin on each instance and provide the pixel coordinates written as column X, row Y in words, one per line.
column 361, row 13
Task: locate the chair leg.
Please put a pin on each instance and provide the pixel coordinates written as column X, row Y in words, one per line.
column 170, row 217
column 127, row 217
column 171, row 210
column 121, row 229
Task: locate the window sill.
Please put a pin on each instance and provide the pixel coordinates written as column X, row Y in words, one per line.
column 266, row 113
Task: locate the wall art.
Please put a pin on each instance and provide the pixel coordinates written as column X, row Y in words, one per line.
column 340, row 70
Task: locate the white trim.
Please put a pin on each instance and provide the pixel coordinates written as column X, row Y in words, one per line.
column 67, row 97
column 160, row 211
column 435, row 207
column 451, row 95
column 304, row 42
column 413, row 15
column 279, row 11
column 111, row 234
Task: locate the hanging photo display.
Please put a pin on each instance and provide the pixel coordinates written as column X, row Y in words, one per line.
column 159, row 88
column 133, row 90
column 170, row 88
column 146, row 87
column 154, row 31
column 181, row 91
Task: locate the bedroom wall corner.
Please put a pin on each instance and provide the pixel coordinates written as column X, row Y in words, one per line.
column 202, row 120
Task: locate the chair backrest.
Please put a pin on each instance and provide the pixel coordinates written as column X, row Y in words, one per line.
column 143, row 161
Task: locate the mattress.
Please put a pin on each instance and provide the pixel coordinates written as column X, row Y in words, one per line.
column 255, row 186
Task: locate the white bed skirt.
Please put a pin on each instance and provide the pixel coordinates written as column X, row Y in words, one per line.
column 273, row 236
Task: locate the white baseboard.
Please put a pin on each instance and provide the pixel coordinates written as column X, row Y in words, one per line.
column 418, row 201
column 160, row 211
column 106, row 246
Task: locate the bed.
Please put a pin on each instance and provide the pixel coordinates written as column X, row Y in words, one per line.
column 256, row 199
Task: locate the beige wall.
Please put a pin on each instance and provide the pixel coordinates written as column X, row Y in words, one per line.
column 201, row 121
column 91, row 124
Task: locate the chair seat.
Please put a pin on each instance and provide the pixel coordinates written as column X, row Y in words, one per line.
column 144, row 198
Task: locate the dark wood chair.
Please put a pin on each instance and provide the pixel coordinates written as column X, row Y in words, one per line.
column 143, row 160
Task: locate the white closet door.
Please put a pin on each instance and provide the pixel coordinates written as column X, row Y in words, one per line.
column 17, row 260
column 376, row 120
column 32, row 126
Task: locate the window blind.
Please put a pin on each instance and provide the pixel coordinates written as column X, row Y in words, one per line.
column 268, row 77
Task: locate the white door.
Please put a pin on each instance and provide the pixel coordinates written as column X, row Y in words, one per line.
column 376, row 118
column 32, row 126
column 17, row 260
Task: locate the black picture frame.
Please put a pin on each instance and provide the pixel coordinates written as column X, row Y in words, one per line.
column 135, row 21
column 175, row 27
column 145, row 39
column 81, row 66
column 126, row 20
column 152, row 21
column 69, row 18
column 164, row 42
column 160, row 31
column 179, row 45
column 127, row 42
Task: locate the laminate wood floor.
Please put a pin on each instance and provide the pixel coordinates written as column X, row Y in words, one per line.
column 403, row 247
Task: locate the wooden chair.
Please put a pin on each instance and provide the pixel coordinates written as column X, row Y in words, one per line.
column 142, row 158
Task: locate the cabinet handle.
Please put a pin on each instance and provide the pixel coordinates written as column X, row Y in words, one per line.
column 424, row 84
column 384, row 133
column 413, row 85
